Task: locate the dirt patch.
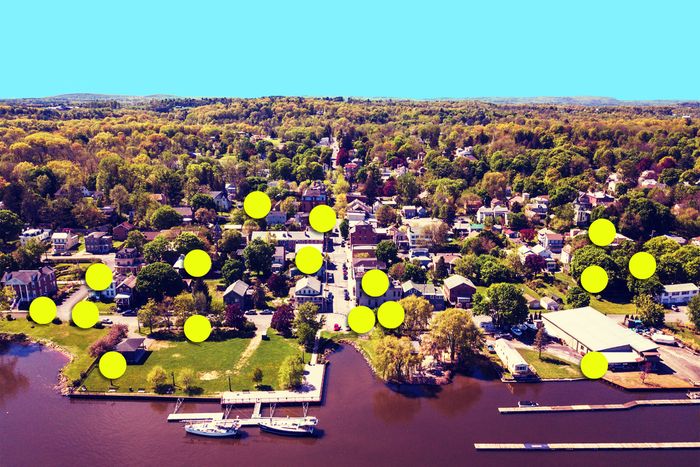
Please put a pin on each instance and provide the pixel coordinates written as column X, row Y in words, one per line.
column 159, row 345
column 176, row 355
column 209, row 375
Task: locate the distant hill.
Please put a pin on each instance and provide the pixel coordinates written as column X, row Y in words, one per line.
column 581, row 100
column 89, row 97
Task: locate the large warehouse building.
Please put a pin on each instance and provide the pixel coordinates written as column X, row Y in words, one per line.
column 586, row 329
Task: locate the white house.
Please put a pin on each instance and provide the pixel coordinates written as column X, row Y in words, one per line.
column 678, row 294
column 63, row 241
column 39, row 234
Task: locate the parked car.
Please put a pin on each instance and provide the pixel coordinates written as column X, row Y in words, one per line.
column 336, row 327
column 347, row 295
column 503, row 335
column 251, row 312
column 491, row 348
column 106, row 321
column 516, row 331
column 129, row 313
column 267, row 311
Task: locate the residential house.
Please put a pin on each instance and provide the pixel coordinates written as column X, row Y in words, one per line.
column 363, row 233
column 313, row 196
column 310, row 290
column 159, row 198
column 677, row 294
column 276, row 218
column 128, row 261
column 450, row 260
column 549, row 304
column 532, row 302
column 220, row 200
column 458, row 290
column 552, row 241
column 29, row 284
column 409, row 212
column 43, row 235
column 63, row 242
column 289, row 239
column 278, row 259
column 430, row 292
column 497, row 214
column 120, row 232
column 98, row 243
column 239, row 293
column 125, row 291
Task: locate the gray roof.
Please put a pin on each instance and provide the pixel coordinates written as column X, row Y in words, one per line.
column 456, row 280
column 239, row 288
column 130, row 345
column 308, row 281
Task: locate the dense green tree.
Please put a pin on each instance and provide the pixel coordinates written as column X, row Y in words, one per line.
column 165, row 217
column 157, row 280
column 504, row 303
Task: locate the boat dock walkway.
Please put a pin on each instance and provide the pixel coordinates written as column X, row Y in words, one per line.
column 584, row 446
column 185, row 417
column 311, row 391
column 593, row 407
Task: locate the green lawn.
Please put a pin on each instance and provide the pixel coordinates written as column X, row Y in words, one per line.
column 105, row 308
column 116, row 244
column 368, row 345
column 268, row 357
column 70, row 272
column 73, row 339
column 212, row 361
column 550, row 367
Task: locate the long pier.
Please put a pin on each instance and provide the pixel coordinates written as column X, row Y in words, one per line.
column 584, row 446
column 186, row 417
column 312, row 391
column 595, row 407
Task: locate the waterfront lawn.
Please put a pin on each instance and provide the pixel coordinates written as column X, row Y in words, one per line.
column 213, row 362
column 367, row 344
column 268, row 357
column 550, row 367
column 74, row 340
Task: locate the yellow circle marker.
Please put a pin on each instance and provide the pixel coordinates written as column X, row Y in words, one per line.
column 309, row 260
column 42, row 310
column 112, row 365
column 322, row 218
column 602, row 232
column 257, row 204
column 98, row 276
column 197, row 263
column 391, row 315
column 594, row 279
column 361, row 319
column 197, row 328
column 375, row 283
column 642, row 265
column 594, row 365
column 85, row 314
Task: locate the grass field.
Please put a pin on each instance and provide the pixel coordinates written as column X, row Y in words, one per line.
column 550, row 367
column 213, row 362
column 268, row 357
column 685, row 334
column 105, row 308
column 73, row 339
column 368, row 345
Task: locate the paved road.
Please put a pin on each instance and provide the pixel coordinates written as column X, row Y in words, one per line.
column 341, row 307
column 63, row 310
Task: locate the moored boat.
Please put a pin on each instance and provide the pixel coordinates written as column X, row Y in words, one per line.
column 215, row 429
column 289, row 426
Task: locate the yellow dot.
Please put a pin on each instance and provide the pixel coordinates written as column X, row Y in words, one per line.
column 375, row 283
column 85, row 314
column 197, row 263
column 322, row 218
column 257, row 204
column 42, row 310
column 361, row 319
column 594, row 279
column 391, row 315
column 602, row 232
column 309, row 260
column 98, row 276
column 197, row 328
column 642, row 265
column 112, row 365
column 594, row 365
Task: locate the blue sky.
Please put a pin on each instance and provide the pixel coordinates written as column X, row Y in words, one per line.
column 623, row 49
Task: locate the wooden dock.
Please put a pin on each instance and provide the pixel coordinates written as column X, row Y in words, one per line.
column 185, row 417
column 594, row 407
column 311, row 392
column 584, row 446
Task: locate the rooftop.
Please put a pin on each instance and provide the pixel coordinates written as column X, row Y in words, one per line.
column 596, row 331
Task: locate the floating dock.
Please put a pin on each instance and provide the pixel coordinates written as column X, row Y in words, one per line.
column 186, row 417
column 594, row 407
column 584, row 446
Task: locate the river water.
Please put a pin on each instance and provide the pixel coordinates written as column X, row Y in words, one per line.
column 362, row 423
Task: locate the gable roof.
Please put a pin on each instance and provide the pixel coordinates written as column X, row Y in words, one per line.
column 239, row 288
column 310, row 282
column 456, row 280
